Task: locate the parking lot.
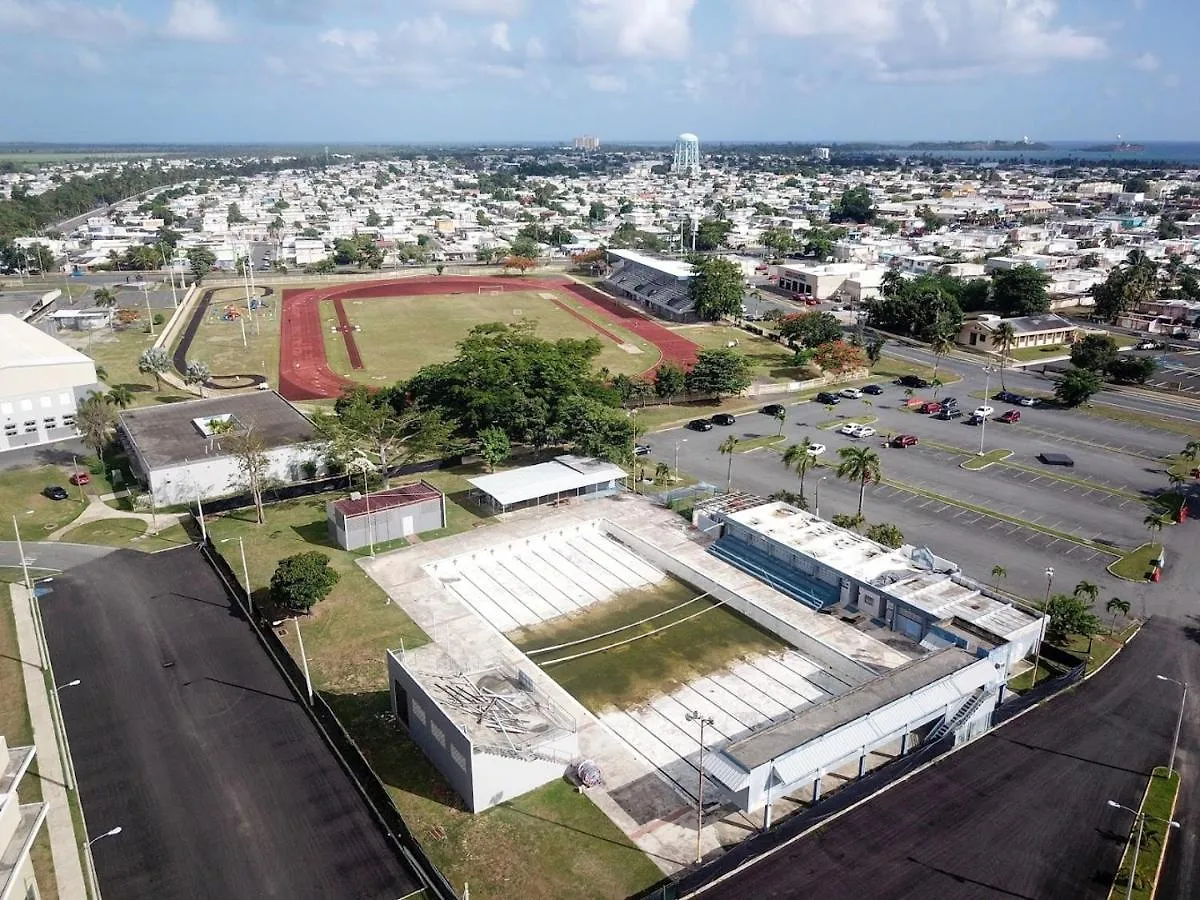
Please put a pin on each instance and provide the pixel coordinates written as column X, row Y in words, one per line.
column 1178, row 372
column 1019, row 514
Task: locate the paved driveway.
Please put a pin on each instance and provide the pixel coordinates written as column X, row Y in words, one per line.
column 186, row 736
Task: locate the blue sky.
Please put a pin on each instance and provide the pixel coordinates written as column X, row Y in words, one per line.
column 493, row 70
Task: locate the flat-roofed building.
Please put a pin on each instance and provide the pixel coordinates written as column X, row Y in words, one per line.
column 564, row 478
column 361, row 520
column 42, row 382
column 20, row 824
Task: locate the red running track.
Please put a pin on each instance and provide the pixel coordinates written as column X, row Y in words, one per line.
column 304, row 372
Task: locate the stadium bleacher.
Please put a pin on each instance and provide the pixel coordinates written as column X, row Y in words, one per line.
column 655, row 284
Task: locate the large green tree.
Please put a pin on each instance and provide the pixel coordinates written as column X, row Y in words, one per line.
column 670, row 380
column 920, row 307
column 859, row 464
column 1077, row 386
column 1070, row 614
column 201, row 260
column 302, row 580
column 780, row 240
column 1127, row 286
column 717, row 288
column 1020, row 291
column 856, row 205
column 810, row 329
column 719, row 373
column 154, row 361
column 1095, row 351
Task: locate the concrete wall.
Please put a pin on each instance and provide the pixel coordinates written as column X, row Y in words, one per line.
column 845, row 667
column 496, row 778
column 38, row 416
column 218, row 476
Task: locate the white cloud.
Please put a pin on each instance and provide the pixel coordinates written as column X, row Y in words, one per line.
column 360, row 43
column 633, row 29
column 904, row 40
column 607, row 84
column 505, row 9
column 73, row 21
column 534, row 48
column 1171, row 81
column 1147, row 62
column 90, row 61
column 196, row 20
column 498, row 37
column 426, row 31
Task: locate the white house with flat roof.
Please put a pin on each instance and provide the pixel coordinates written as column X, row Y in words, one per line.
column 1046, row 330
column 42, row 382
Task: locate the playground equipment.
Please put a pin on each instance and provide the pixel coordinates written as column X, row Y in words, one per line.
column 231, row 314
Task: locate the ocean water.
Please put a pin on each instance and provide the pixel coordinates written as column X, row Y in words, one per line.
column 1168, row 152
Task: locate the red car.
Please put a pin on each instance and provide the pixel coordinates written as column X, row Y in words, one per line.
column 80, row 478
column 904, row 440
column 1013, row 415
column 930, row 408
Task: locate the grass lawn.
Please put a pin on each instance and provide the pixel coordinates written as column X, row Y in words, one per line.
column 127, row 533
column 547, row 844
column 118, row 352
column 770, row 361
column 37, row 516
column 759, row 442
column 18, row 730
column 976, row 463
column 219, row 342
column 1135, row 565
column 14, row 575
column 1024, row 681
column 399, row 335
column 1032, row 354
column 1103, row 646
column 842, row 420
column 890, row 367
column 628, row 676
column 1158, row 804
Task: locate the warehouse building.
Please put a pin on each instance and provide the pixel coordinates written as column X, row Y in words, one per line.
column 42, row 382
column 181, row 451
column 362, row 520
column 490, row 732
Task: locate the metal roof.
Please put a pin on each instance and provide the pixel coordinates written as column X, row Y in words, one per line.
column 23, row 345
column 564, row 474
column 672, row 267
column 865, row 713
column 404, row 495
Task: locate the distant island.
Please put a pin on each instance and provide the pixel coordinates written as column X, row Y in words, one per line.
column 979, row 145
column 1119, row 147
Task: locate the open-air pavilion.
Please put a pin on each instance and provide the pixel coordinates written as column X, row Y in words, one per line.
column 562, row 479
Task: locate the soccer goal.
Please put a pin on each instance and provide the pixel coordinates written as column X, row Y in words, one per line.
column 491, row 290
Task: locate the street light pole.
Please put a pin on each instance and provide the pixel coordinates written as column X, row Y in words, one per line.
column 304, row 660
column 69, row 684
column 677, row 443
column 817, row 510
column 987, row 386
column 1037, row 656
column 21, row 553
column 695, row 716
column 1139, row 818
column 112, row 832
column 1179, row 720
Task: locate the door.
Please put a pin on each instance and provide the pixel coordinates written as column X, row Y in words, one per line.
column 406, row 526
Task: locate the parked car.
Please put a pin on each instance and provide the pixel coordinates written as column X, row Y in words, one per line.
column 1146, row 345
column 723, row 419
column 864, row 431
column 850, row 428
column 912, row 381
column 812, row 301
column 816, row 449
column 80, row 478
column 1012, row 415
column 1006, row 397
column 700, row 425
column 1028, row 401
column 827, row 397
column 983, row 412
column 851, row 393
column 901, row 441
column 1056, row 459
column 873, row 389
column 773, row 409
column 55, row 492
column 948, row 401
column 947, row 414
column 641, row 450
column 929, row 408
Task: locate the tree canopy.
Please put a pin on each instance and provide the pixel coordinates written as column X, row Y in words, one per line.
column 719, row 372
column 1095, row 351
column 717, row 288
column 920, row 306
column 1127, row 286
column 302, row 580
column 1020, row 291
column 1077, row 386
column 810, row 329
column 855, row 205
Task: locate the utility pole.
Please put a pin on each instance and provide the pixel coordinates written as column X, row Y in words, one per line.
column 695, row 716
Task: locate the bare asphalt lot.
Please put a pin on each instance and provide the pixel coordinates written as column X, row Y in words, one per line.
column 1021, row 812
column 185, row 735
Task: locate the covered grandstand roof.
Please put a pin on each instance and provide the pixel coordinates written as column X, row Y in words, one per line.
column 565, row 474
column 672, row 267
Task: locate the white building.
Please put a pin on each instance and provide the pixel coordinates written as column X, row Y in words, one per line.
column 19, row 825
column 1047, row 330
column 181, row 451
column 662, row 285
column 42, row 381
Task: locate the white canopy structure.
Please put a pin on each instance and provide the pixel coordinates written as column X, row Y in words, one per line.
column 565, row 476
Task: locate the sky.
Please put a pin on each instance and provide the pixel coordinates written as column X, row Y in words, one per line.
column 397, row 71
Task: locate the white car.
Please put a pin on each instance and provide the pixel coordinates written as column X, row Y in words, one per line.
column 851, row 393
column 816, row 449
column 850, row 428
column 982, row 412
column 865, row 431
column 1029, row 401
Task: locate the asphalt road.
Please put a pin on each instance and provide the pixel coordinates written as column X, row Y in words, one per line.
column 1022, row 811
column 185, row 735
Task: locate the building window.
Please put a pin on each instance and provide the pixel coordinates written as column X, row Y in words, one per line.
column 45, row 401
column 26, row 405
column 10, row 429
column 30, row 425
column 418, row 712
column 438, row 734
column 65, row 399
column 68, row 421
column 49, row 422
column 459, row 759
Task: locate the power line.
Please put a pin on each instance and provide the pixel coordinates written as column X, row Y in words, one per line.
column 654, row 631
column 595, row 637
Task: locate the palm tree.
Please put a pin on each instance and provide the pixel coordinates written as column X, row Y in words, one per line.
column 941, row 342
column 104, row 297
column 799, row 457
column 1191, row 451
column 890, row 284
column 862, row 465
column 1004, row 337
column 1116, row 606
column 728, row 447
column 120, row 395
column 102, row 374
column 662, row 473
column 781, row 417
column 1087, row 589
column 1155, row 522
column 998, row 572
column 96, row 420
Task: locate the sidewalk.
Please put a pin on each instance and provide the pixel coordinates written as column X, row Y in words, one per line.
column 64, row 843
